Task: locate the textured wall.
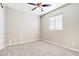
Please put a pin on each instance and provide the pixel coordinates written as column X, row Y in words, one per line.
column 21, row 27
column 69, row 36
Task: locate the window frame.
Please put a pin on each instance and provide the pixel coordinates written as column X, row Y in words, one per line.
column 55, row 22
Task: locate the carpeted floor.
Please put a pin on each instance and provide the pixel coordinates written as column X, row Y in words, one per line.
column 37, row 48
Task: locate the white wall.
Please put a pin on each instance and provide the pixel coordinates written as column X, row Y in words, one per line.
column 69, row 36
column 21, row 27
column 2, row 27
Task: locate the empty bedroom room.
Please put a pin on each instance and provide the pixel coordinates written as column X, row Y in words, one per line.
column 39, row 29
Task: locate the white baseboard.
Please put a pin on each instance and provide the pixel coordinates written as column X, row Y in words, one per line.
column 21, row 42
column 76, row 50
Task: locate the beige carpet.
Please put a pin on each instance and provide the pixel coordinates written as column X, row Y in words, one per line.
column 37, row 48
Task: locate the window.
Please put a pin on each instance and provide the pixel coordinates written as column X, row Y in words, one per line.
column 51, row 23
column 56, row 22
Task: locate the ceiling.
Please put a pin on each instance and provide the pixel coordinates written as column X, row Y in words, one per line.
column 27, row 8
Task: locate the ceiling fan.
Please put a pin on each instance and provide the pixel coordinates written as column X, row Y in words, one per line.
column 1, row 5
column 39, row 5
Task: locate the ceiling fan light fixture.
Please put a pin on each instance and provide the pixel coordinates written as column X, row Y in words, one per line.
column 39, row 5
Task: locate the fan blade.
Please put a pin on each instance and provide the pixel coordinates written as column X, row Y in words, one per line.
column 1, row 5
column 46, row 5
column 32, row 3
column 34, row 8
